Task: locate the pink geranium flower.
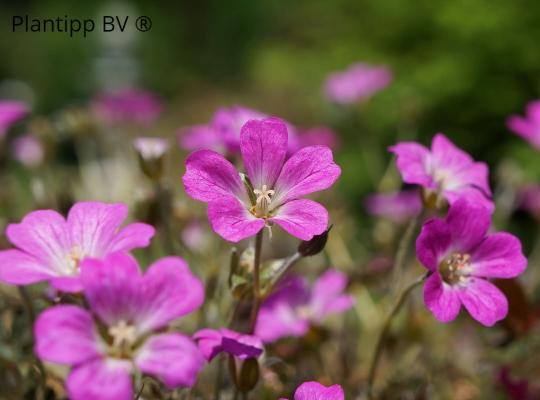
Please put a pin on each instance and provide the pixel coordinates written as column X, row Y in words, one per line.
column 276, row 185
column 462, row 257
column 50, row 247
column 120, row 334
column 128, row 106
column 396, row 206
column 527, row 127
column 11, row 111
column 211, row 342
column 293, row 307
column 356, row 83
column 316, row 391
column 444, row 171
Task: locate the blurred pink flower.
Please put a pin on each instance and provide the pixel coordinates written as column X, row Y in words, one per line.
column 319, row 135
column 277, row 186
column 397, row 206
column 357, row 83
column 294, row 307
column 462, row 257
column 445, row 170
column 211, row 342
column 151, row 147
column 515, row 389
column 128, row 106
column 50, row 247
column 124, row 329
column 527, row 127
column 317, row 391
column 529, row 199
column 11, row 111
column 28, row 150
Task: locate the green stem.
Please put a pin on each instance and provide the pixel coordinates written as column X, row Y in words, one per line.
column 257, row 298
column 381, row 341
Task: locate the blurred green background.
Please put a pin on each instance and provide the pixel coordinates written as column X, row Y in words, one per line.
column 461, row 67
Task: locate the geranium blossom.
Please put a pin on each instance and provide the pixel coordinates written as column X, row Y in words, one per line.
column 211, row 342
column 462, row 257
column 50, row 247
column 396, row 206
column 528, row 127
column 445, row 171
column 238, row 209
column 293, row 307
column 11, row 111
column 317, row 391
column 356, row 83
column 128, row 106
column 120, row 335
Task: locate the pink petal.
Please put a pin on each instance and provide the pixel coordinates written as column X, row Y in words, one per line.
column 263, row 144
column 302, row 218
column 441, row 299
column 210, row 177
column 316, row 391
column 433, row 243
column 468, row 224
column 412, row 159
column 43, row 234
column 309, row 170
column 11, row 111
column 92, row 225
column 132, row 236
column 112, row 287
column 173, row 358
column 521, row 126
column 447, row 155
column 18, row 268
column 199, row 137
column 103, row 379
column 231, row 219
column 209, row 342
column 484, row 301
column 66, row 334
column 169, row 290
column 67, row 284
column 499, row 256
column 212, row 342
column 327, row 295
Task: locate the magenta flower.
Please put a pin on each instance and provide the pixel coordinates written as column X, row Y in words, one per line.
column 462, row 257
column 293, row 307
column 50, row 248
column 222, row 134
column 397, row 206
column 319, row 135
column 28, row 150
column 121, row 334
column 316, row 391
column 11, row 111
column 357, row 83
column 212, row 342
column 529, row 199
column 527, row 127
column 275, row 189
column 128, row 106
column 445, row 171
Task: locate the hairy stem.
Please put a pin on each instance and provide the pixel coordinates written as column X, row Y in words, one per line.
column 257, row 298
column 384, row 332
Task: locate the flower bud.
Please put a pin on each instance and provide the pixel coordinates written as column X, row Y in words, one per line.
column 248, row 375
column 151, row 152
column 315, row 245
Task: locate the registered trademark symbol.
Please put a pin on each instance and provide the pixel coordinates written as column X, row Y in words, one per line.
column 143, row 24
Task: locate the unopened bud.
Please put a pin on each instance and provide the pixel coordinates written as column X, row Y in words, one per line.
column 248, row 375
column 315, row 245
column 151, row 152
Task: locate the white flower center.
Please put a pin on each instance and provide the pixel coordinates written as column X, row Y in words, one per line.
column 73, row 259
column 456, row 268
column 262, row 203
column 123, row 334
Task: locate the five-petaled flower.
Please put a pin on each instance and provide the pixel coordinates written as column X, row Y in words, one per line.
column 293, row 307
column 212, row 342
column 528, row 127
column 317, row 391
column 11, row 111
column 106, row 345
column 50, row 247
column 445, row 171
column 272, row 190
column 461, row 258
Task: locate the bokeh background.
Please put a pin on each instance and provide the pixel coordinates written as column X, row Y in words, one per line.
column 460, row 67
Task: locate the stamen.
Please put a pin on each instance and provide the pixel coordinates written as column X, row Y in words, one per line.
column 456, row 268
column 73, row 259
column 123, row 334
column 264, row 198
